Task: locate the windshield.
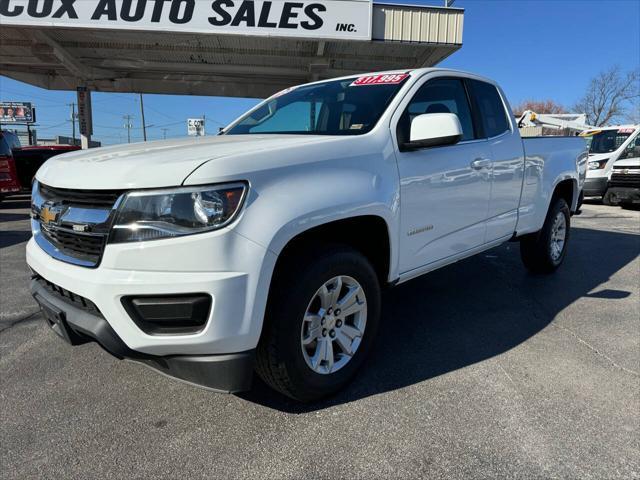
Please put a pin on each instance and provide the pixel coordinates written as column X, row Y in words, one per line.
column 341, row 107
column 606, row 141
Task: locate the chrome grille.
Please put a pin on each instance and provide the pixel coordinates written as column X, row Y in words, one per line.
column 73, row 225
column 91, row 198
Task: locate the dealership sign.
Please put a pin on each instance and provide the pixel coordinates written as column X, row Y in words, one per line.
column 17, row 112
column 195, row 127
column 340, row 19
column 84, row 111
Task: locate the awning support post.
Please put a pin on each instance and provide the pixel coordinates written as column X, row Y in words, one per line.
column 85, row 116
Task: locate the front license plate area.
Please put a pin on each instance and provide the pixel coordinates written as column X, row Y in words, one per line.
column 55, row 318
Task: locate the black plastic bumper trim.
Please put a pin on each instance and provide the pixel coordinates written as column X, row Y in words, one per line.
column 222, row 373
column 184, row 314
column 624, row 194
column 595, row 187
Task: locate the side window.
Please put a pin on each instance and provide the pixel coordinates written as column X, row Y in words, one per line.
column 632, row 150
column 445, row 95
column 490, row 106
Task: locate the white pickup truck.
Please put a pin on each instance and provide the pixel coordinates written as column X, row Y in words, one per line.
column 265, row 248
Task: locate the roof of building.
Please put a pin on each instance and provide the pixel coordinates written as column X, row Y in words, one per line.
column 170, row 62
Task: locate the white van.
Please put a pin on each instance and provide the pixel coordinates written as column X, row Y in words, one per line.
column 606, row 146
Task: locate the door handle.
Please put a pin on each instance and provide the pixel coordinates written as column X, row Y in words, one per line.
column 480, row 163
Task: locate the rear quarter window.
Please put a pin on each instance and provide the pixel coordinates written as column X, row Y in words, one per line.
column 491, row 109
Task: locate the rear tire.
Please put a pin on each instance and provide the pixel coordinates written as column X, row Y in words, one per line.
column 303, row 317
column 544, row 251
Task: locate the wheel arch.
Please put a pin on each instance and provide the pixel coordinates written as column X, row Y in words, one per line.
column 568, row 190
column 369, row 234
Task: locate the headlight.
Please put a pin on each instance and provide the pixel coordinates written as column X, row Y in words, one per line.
column 598, row 164
column 155, row 214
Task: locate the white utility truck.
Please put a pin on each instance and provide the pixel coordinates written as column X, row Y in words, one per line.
column 532, row 124
column 265, row 248
column 607, row 145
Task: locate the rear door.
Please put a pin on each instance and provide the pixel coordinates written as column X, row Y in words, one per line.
column 507, row 154
column 444, row 191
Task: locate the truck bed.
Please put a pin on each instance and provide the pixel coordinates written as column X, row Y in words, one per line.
column 548, row 160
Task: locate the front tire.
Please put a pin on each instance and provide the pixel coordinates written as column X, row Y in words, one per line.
column 322, row 318
column 608, row 200
column 544, row 251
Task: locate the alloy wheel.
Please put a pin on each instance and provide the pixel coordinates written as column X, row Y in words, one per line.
column 333, row 324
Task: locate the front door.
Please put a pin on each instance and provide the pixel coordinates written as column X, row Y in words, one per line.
column 444, row 191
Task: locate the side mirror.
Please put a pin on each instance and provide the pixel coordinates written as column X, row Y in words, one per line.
column 434, row 129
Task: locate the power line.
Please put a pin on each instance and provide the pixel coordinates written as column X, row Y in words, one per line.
column 140, row 128
column 52, row 126
column 144, row 127
column 48, row 100
column 169, row 124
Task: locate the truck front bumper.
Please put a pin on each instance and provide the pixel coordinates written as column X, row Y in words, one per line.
column 595, row 187
column 230, row 270
column 624, row 195
column 81, row 324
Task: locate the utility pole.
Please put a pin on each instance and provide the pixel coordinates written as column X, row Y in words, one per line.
column 128, row 126
column 73, row 119
column 144, row 126
column 164, row 133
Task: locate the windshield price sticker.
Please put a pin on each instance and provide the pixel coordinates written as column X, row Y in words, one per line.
column 282, row 92
column 387, row 79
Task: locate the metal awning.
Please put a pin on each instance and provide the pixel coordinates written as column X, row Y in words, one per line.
column 168, row 62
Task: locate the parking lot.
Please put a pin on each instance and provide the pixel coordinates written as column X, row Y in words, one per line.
column 481, row 370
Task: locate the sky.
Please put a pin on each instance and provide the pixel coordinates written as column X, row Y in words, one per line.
column 536, row 49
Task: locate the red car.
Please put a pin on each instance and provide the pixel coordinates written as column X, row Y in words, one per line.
column 29, row 159
column 9, row 182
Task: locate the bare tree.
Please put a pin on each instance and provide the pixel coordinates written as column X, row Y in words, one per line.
column 538, row 106
column 633, row 116
column 610, row 97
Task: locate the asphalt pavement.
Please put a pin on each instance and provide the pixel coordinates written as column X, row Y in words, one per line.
column 481, row 370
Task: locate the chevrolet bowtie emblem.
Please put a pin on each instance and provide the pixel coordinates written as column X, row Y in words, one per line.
column 48, row 215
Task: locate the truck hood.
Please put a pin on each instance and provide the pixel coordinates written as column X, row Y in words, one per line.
column 600, row 156
column 165, row 163
column 627, row 162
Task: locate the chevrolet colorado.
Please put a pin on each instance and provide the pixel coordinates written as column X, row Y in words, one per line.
column 265, row 248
